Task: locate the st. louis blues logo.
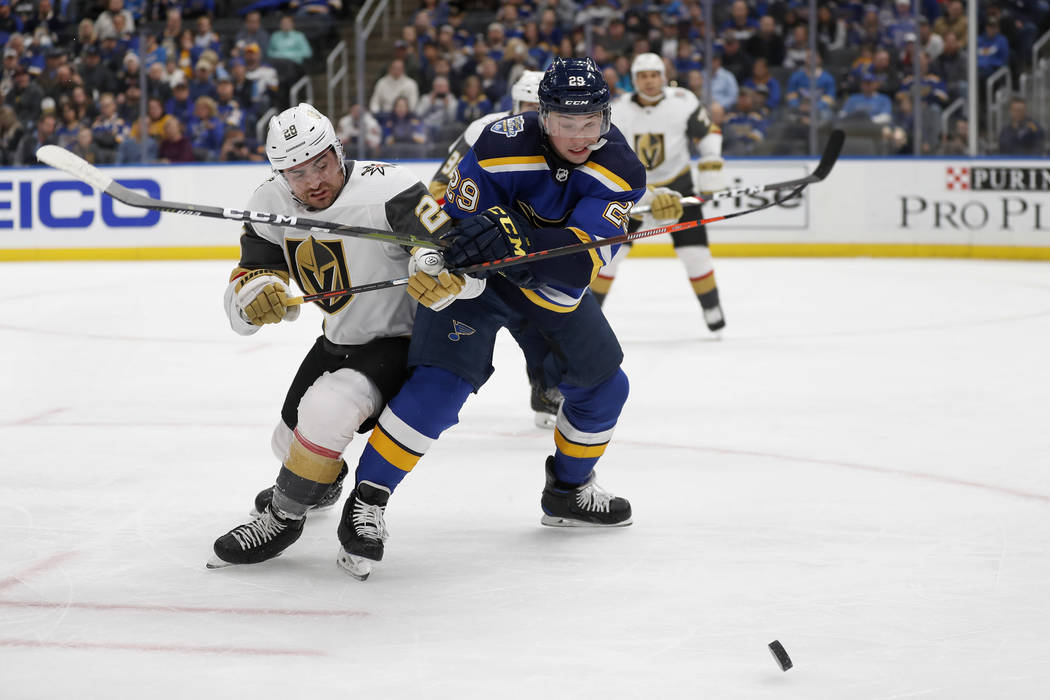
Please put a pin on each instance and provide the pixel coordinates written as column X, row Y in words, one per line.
column 459, row 329
column 510, row 127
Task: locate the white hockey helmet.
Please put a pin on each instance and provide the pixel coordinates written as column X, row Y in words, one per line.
column 298, row 134
column 526, row 89
column 647, row 61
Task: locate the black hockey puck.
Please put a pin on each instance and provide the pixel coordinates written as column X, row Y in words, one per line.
column 783, row 660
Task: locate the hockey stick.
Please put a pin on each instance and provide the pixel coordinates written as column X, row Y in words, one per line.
column 827, row 160
column 570, row 249
column 60, row 158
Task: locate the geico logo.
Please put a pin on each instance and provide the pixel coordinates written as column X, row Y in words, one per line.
column 69, row 204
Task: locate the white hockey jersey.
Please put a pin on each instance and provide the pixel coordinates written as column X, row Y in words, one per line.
column 377, row 195
column 464, row 143
column 660, row 133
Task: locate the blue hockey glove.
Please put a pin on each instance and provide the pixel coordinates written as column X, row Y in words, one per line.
column 494, row 234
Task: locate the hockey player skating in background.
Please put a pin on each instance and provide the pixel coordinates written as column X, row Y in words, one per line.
column 532, row 181
column 545, row 399
column 359, row 362
column 659, row 122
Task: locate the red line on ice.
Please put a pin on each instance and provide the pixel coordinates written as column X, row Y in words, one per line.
column 34, row 568
column 177, row 648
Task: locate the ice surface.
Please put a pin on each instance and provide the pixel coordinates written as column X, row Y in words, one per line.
column 858, row 468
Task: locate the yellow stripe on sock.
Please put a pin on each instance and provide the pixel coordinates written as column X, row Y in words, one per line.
column 391, row 451
column 574, row 449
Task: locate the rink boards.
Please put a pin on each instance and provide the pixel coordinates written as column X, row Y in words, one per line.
column 958, row 207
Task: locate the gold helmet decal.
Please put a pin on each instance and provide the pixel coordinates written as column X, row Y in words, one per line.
column 320, row 266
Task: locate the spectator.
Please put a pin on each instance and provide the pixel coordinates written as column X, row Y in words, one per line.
column 10, row 24
column 202, row 84
column 762, row 78
column 86, row 148
column 154, row 52
column 901, row 26
column 495, row 39
column 11, row 133
column 69, row 125
column 237, row 148
column 204, row 37
column 616, row 39
column 869, row 101
column 155, row 120
column 1022, row 136
column 85, row 106
column 253, row 33
column 25, row 96
column 231, row 113
column 242, row 87
column 30, row 142
column 262, row 76
column 934, row 90
column 951, row 67
column 205, row 129
column 740, row 24
column 993, row 51
column 289, row 43
column 724, row 88
column 744, row 127
column 798, row 92
column 831, row 28
column 180, row 105
column 186, row 53
column 687, row 58
column 932, row 44
column 472, row 104
column 85, row 36
column 157, row 84
column 492, row 84
column 957, row 141
column 401, row 126
column 885, row 73
column 900, row 136
column 169, row 36
column 437, row 109
column 174, row 147
column 109, row 129
column 129, row 103
column 105, row 23
column 735, row 59
column 952, row 22
column 796, row 47
column 694, row 81
column 391, row 86
column 96, row 76
column 359, row 124
column 62, row 86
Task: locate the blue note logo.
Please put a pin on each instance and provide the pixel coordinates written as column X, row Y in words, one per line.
column 459, row 329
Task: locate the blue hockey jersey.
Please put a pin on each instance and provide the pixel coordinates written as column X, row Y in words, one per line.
column 512, row 165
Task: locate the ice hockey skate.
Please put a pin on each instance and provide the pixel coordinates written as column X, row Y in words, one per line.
column 362, row 530
column 329, row 499
column 545, row 402
column 265, row 537
column 714, row 319
column 585, row 505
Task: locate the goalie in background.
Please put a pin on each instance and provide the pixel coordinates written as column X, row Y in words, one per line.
column 359, row 361
column 544, row 398
column 659, row 122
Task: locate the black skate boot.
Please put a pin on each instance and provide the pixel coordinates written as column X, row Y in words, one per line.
column 263, row 538
column 329, row 499
column 362, row 530
column 712, row 307
column 586, row 505
column 545, row 402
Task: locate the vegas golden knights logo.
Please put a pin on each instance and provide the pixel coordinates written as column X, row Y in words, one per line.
column 650, row 149
column 320, row 266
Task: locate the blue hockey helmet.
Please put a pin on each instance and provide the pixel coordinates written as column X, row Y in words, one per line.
column 574, row 86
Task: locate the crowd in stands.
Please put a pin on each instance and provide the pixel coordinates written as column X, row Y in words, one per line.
column 455, row 62
column 75, row 72
column 130, row 81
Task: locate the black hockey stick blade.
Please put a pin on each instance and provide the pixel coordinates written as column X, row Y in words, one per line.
column 60, row 158
column 832, row 149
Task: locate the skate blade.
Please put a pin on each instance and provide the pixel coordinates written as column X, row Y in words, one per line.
column 554, row 521
column 216, row 563
column 358, row 567
column 544, row 420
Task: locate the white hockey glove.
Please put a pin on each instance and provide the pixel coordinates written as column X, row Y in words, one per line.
column 433, row 286
column 257, row 297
